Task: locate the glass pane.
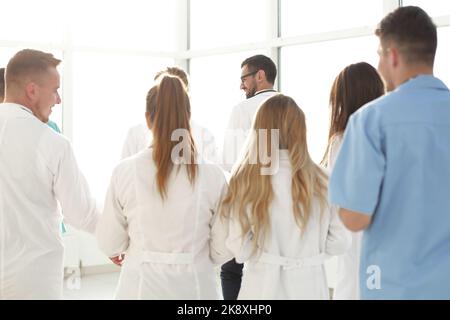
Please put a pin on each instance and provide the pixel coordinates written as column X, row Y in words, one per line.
column 308, row 72
column 109, row 97
column 6, row 54
column 36, row 21
column 442, row 62
column 434, row 8
column 300, row 17
column 216, row 23
column 215, row 83
column 148, row 24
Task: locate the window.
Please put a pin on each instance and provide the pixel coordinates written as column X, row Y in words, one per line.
column 308, row 71
column 442, row 62
column 434, row 8
column 109, row 97
column 33, row 21
column 216, row 23
column 305, row 17
column 131, row 24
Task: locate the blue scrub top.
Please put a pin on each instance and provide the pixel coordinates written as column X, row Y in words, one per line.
column 394, row 165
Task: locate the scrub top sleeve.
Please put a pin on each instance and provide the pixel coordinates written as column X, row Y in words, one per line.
column 358, row 173
column 112, row 228
column 72, row 191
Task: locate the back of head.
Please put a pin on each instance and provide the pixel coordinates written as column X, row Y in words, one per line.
column 174, row 71
column 2, row 84
column 169, row 111
column 413, row 31
column 356, row 85
column 261, row 62
column 27, row 66
column 250, row 190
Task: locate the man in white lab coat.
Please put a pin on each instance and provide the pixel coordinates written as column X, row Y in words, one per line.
column 37, row 171
column 258, row 75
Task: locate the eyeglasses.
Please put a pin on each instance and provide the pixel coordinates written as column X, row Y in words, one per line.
column 248, row 75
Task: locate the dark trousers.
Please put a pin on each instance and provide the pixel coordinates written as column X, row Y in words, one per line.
column 231, row 276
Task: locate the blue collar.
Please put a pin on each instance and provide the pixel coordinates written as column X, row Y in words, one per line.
column 423, row 81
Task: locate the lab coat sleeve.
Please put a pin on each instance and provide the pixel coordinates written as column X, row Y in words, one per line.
column 219, row 252
column 72, row 191
column 128, row 148
column 338, row 239
column 112, row 229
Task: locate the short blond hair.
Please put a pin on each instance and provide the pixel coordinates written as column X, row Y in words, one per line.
column 26, row 64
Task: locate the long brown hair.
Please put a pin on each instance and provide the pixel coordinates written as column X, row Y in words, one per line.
column 354, row 86
column 250, row 193
column 169, row 109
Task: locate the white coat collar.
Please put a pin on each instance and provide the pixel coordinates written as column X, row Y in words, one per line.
column 16, row 105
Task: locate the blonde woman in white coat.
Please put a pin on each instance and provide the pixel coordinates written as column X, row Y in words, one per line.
column 281, row 225
column 354, row 86
column 160, row 210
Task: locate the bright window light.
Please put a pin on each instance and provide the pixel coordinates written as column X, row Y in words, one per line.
column 34, row 21
column 109, row 97
column 217, row 23
column 149, row 24
column 442, row 62
column 308, row 17
column 434, row 8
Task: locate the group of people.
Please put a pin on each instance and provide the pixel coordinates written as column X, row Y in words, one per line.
column 172, row 214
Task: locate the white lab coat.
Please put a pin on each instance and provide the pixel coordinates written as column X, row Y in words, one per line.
column 289, row 265
column 139, row 137
column 347, row 278
column 171, row 246
column 239, row 126
column 37, row 170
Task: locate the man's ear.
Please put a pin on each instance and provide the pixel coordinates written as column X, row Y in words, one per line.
column 394, row 56
column 261, row 75
column 31, row 91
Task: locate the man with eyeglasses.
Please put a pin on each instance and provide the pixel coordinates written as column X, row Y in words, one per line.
column 258, row 75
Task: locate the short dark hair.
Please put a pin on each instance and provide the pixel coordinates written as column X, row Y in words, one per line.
column 413, row 31
column 2, row 84
column 28, row 63
column 261, row 62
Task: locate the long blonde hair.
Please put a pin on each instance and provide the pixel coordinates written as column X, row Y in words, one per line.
column 250, row 193
column 169, row 109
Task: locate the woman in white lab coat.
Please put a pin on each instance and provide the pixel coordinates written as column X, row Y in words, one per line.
column 281, row 225
column 354, row 86
column 160, row 210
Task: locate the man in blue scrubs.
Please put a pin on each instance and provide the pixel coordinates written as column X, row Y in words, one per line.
column 392, row 175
